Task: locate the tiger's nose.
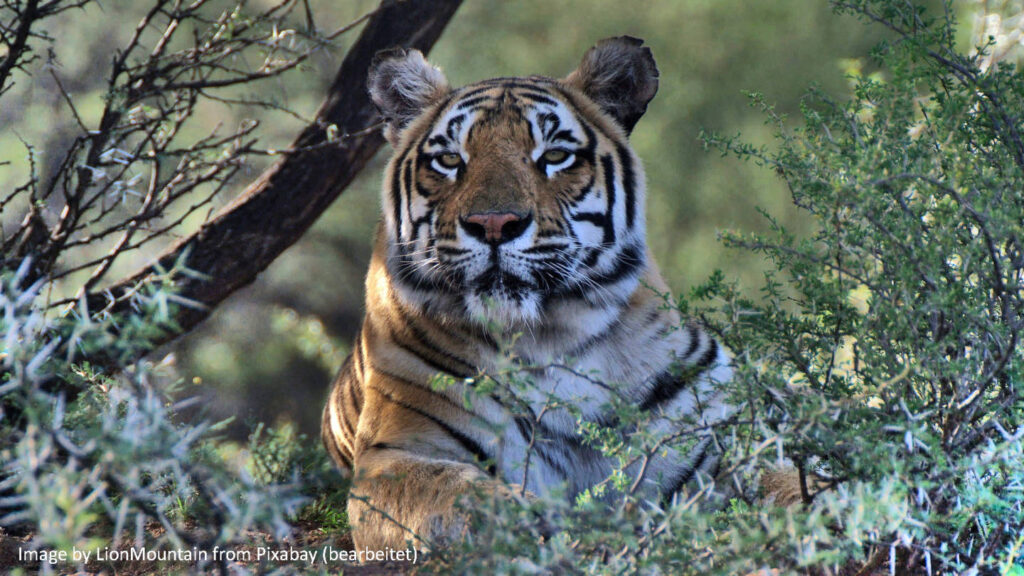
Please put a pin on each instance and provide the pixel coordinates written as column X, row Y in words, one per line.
column 496, row 227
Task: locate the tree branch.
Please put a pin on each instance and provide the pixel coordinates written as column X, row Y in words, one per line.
column 18, row 47
column 246, row 236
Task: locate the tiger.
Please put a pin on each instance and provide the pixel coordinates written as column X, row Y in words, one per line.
column 515, row 206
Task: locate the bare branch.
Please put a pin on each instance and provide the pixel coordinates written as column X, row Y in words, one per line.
column 18, row 46
column 241, row 241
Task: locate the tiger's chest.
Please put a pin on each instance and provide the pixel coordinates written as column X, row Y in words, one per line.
column 561, row 391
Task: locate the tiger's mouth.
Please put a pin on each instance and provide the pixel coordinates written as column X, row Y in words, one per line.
column 502, row 288
column 504, row 305
column 511, row 289
column 509, row 283
column 494, row 280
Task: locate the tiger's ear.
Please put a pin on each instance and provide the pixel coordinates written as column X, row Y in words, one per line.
column 402, row 84
column 620, row 76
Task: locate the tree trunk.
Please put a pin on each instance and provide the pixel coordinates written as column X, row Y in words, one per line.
column 274, row 211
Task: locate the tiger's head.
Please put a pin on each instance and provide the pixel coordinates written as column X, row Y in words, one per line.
column 508, row 195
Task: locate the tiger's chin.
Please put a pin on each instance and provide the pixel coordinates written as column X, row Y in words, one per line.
column 500, row 299
column 504, row 307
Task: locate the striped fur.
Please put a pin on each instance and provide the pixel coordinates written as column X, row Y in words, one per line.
column 573, row 279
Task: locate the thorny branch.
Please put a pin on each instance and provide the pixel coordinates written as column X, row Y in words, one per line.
column 133, row 179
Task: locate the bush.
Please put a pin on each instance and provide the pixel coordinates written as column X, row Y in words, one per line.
column 883, row 361
column 94, row 455
column 112, row 469
column 886, row 352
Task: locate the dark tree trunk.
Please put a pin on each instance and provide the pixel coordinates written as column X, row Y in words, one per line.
column 272, row 214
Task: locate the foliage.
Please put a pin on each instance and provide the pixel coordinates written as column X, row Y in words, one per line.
column 112, row 468
column 893, row 334
column 881, row 363
column 281, row 455
column 141, row 169
column 94, row 454
column 882, row 359
column 706, row 52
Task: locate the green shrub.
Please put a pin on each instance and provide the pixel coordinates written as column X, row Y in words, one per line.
column 92, row 461
column 883, row 361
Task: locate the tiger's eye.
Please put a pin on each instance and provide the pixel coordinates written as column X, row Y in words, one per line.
column 555, row 156
column 450, row 160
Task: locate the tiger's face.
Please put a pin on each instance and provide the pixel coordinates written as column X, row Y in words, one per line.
column 508, row 195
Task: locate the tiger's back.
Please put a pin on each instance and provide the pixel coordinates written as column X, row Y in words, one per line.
column 512, row 206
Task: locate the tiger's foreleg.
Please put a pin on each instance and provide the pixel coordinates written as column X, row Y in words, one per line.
column 415, row 459
column 399, row 499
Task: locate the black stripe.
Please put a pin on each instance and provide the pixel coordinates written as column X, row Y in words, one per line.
column 582, row 349
column 439, row 110
column 381, row 446
column 357, row 390
column 338, row 452
column 526, row 429
column 549, row 124
column 357, row 355
column 425, row 219
column 357, row 360
column 405, row 273
column 426, row 193
column 537, row 96
column 420, row 337
column 346, row 422
column 327, row 431
column 455, row 124
column 665, row 387
column 545, row 248
column 332, row 440
column 596, row 218
column 628, row 182
column 452, row 251
column 576, row 103
column 469, row 91
column 396, row 194
column 589, row 151
column 709, row 355
column 609, row 183
column 626, row 262
column 694, row 335
column 669, row 383
column 565, row 136
column 462, row 105
column 468, row 444
column 583, row 191
column 689, row 470
column 519, row 84
column 424, row 339
column 540, row 448
column 652, row 315
column 418, row 354
column 457, row 406
column 353, row 406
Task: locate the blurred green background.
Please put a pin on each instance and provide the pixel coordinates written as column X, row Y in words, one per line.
column 269, row 353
